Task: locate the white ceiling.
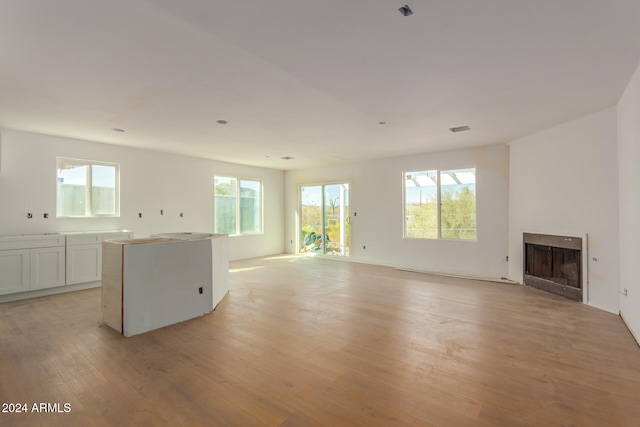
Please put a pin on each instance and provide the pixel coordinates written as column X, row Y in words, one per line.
column 310, row 79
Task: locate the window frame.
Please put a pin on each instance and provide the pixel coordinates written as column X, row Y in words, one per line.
column 438, row 202
column 238, row 207
column 88, row 187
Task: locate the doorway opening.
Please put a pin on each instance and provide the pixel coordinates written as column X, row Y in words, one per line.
column 324, row 219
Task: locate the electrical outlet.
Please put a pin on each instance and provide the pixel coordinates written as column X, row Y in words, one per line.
column 624, row 292
column 139, row 214
column 364, row 247
column 29, row 215
column 46, row 215
column 200, row 290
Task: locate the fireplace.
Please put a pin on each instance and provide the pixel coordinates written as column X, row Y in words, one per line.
column 554, row 264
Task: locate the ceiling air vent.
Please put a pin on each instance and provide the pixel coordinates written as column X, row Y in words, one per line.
column 459, row 129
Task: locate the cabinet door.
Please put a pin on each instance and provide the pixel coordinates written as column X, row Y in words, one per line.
column 84, row 263
column 47, row 267
column 14, row 271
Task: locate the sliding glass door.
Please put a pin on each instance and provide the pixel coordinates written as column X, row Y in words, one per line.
column 324, row 219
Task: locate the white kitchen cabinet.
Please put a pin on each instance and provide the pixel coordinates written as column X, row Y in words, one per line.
column 84, row 254
column 84, row 263
column 31, row 262
column 14, row 271
column 42, row 264
column 47, row 268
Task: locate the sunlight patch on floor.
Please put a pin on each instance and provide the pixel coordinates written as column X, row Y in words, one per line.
column 237, row 270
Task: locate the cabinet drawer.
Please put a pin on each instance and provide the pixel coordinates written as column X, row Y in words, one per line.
column 83, row 239
column 31, row 241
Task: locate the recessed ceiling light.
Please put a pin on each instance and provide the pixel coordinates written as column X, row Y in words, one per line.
column 286, row 158
column 117, row 130
column 406, row 10
column 221, row 122
column 459, row 129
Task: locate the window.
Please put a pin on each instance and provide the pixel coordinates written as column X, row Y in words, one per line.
column 237, row 206
column 440, row 204
column 87, row 188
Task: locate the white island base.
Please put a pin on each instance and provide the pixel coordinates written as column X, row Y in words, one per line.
column 159, row 281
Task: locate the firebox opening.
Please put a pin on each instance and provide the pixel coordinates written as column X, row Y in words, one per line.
column 554, row 264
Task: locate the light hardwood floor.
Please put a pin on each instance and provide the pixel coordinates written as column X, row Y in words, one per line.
column 304, row 342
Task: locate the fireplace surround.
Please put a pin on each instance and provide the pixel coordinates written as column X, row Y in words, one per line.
column 554, row 264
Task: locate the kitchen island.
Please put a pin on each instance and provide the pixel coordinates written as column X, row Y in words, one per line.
column 161, row 280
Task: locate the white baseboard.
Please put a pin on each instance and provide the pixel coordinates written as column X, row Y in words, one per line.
column 50, row 291
column 633, row 334
column 461, row 276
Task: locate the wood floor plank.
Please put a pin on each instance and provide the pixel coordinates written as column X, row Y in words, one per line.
column 302, row 341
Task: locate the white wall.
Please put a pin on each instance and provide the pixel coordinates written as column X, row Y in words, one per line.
column 376, row 197
column 629, row 188
column 150, row 181
column 564, row 181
